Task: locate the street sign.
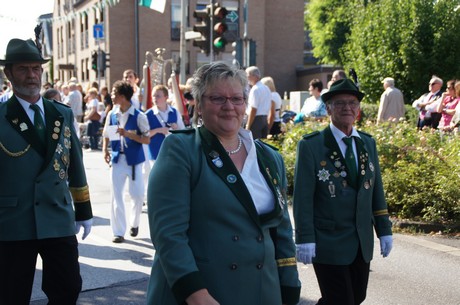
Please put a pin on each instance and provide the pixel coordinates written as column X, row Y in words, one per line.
column 98, row 31
column 232, row 16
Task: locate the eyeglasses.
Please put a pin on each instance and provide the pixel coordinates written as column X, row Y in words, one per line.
column 431, row 84
column 220, row 100
column 342, row 103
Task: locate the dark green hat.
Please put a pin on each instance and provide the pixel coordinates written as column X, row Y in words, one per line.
column 19, row 51
column 342, row 86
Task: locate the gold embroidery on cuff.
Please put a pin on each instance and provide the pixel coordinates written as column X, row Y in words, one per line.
column 80, row 194
column 381, row 212
column 285, row 262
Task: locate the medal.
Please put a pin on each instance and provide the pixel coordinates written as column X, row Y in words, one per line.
column 231, row 178
column 323, row 175
column 367, row 185
column 331, row 188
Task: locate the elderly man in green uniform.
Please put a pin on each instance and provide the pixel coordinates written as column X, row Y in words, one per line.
column 44, row 198
column 339, row 200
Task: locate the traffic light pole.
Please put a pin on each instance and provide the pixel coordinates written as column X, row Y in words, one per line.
column 211, row 32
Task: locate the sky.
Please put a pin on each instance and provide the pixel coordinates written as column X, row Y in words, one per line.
column 18, row 19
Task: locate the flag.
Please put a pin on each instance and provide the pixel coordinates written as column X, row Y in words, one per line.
column 157, row 5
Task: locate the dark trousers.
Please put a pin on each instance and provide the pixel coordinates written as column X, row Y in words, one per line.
column 259, row 127
column 93, row 134
column 61, row 280
column 343, row 285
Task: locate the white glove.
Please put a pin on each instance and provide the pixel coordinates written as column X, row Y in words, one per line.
column 386, row 243
column 86, row 224
column 305, row 252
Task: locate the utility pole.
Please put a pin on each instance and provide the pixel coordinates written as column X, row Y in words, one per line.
column 183, row 46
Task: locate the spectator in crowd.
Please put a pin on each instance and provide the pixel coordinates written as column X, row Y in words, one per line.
column 274, row 125
column 338, row 200
column 7, row 92
column 313, row 108
column 259, row 104
column 448, row 107
column 391, row 106
column 126, row 129
column 131, row 77
column 427, row 104
column 215, row 200
column 44, row 192
column 190, row 101
column 54, row 94
column 107, row 100
column 93, row 118
column 75, row 101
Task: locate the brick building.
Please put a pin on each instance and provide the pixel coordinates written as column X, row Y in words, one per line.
column 277, row 28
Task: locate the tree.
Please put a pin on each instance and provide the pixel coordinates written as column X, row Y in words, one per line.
column 328, row 24
column 409, row 40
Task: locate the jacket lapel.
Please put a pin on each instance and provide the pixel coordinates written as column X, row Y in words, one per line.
column 19, row 120
column 363, row 160
column 223, row 166
column 54, row 128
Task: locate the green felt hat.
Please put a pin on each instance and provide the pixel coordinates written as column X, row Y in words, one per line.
column 20, row 51
column 340, row 87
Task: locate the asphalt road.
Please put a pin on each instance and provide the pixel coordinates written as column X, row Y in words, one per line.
column 421, row 270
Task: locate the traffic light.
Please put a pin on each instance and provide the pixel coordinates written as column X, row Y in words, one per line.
column 220, row 27
column 202, row 26
column 237, row 52
column 94, row 60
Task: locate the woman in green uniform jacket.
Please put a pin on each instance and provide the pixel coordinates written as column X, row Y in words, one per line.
column 217, row 207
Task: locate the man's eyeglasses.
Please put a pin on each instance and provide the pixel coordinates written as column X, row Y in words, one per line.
column 431, row 84
column 220, row 100
column 342, row 103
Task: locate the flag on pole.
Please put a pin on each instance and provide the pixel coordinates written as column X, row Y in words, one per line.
column 157, row 5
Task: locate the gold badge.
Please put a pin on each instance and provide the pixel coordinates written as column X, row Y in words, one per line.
column 56, row 165
column 323, row 163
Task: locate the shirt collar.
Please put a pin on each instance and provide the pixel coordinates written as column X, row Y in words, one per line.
column 156, row 110
column 26, row 105
column 129, row 111
column 339, row 135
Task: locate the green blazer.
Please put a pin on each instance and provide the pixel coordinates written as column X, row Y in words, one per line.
column 206, row 230
column 327, row 210
column 35, row 178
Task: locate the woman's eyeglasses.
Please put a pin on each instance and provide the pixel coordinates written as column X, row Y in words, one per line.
column 220, row 100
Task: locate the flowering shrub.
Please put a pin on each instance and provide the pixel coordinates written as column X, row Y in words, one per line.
column 420, row 169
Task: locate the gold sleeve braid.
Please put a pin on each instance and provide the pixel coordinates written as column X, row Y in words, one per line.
column 286, row 262
column 80, row 194
column 381, row 212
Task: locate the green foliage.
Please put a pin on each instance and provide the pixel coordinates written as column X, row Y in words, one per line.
column 420, row 169
column 409, row 40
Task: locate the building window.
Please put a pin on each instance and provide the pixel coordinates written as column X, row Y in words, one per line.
column 175, row 19
column 82, row 69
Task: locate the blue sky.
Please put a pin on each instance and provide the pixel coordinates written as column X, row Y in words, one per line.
column 18, row 19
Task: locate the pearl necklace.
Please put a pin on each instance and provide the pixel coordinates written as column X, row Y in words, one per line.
column 240, row 144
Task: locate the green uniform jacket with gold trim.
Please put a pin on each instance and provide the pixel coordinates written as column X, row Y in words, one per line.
column 35, row 201
column 206, row 230
column 327, row 210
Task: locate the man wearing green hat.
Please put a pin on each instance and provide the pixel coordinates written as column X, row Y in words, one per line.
column 339, row 201
column 44, row 198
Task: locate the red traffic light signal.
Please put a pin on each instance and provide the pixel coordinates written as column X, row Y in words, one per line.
column 220, row 27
